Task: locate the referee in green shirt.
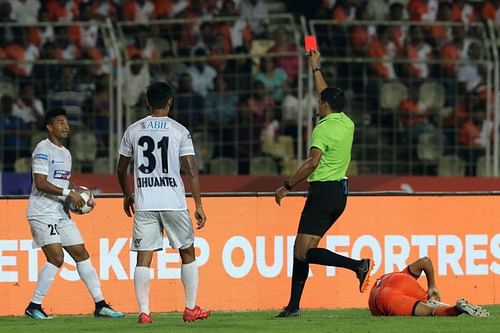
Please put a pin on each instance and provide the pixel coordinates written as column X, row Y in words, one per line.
column 325, row 169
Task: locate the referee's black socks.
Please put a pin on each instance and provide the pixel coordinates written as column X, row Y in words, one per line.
column 299, row 277
column 326, row 257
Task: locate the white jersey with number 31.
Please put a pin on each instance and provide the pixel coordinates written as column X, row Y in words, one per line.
column 156, row 145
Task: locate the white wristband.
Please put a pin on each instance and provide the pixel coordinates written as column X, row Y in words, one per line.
column 65, row 192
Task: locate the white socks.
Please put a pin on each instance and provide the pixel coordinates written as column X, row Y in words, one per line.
column 46, row 276
column 189, row 277
column 141, row 284
column 89, row 276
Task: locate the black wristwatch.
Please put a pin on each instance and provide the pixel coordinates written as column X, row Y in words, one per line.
column 316, row 70
column 287, row 185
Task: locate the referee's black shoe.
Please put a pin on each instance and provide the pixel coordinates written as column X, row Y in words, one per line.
column 363, row 274
column 288, row 313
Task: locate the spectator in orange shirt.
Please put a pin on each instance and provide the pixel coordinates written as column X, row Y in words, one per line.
column 423, row 10
column 442, row 34
column 138, row 10
column 102, row 9
column 21, row 50
column 188, row 32
column 415, row 114
column 143, row 45
column 491, row 10
column 237, row 32
column 382, row 48
column 452, row 51
column 474, row 135
column 66, row 49
column 463, row 11
column 345, row 10
column 399, row 294
column 420, row 52
column 219, row 49
column 398, row 32
column 63, row 10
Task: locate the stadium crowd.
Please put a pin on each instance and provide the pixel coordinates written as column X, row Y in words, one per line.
column 247, row 102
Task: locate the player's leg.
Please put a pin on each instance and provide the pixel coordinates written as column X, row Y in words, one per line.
column 72, row 242
column 464, row 306
column 88, row 275
column 147, row 237
column 325, row 204
column 461, row 306
column 142, row 285
column 45, row 234
column 180, row 233
column 300, row 272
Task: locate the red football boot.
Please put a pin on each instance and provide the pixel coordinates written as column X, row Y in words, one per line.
column 145, row 318
column 195, row 314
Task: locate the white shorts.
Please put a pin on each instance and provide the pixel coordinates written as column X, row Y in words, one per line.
column 50, row 230
column 149, row 226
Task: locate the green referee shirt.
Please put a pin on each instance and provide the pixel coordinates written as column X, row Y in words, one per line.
column 333, row 136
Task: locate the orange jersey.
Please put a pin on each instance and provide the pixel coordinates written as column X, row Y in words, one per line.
column 396, row 294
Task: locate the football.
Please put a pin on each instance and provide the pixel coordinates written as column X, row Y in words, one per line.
column 87, row 195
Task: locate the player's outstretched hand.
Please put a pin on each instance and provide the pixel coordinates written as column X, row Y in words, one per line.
column 280, row 194
column 433, row 294
column 76, row 199
column 200, row 217
column 128, row 205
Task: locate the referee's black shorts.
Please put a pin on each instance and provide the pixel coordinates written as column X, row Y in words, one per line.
column 324, row 205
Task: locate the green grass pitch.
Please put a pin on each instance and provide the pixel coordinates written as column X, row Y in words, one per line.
column 333, row 320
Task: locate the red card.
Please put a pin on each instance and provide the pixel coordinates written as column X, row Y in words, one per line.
column 311, row 43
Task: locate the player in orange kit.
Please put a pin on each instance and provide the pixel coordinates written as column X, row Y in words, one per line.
column 399, row 294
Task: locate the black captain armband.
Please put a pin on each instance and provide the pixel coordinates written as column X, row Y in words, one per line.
column 287, row 185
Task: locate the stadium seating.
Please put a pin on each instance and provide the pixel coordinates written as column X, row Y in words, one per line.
column 432, row 94
column 451, row 166
column 263, row 166
column 391, row 95
column 101, row 165
column 84, row 146
column 430, row 146
column 22, row 165
column 223, row 166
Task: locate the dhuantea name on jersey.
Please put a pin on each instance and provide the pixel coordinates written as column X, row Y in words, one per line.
column 156, row 181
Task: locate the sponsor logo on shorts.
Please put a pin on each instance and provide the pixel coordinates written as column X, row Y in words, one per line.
column 137, row 242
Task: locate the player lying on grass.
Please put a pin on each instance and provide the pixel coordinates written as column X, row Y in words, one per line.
column 399, row 294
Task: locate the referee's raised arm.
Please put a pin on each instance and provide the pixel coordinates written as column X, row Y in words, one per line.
column 319, row 81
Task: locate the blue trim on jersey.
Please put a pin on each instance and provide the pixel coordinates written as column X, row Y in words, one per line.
column 42, row 156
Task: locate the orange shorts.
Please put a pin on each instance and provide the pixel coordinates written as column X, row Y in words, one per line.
column 396, row 294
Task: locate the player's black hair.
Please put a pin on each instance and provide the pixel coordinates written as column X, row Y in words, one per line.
column 334, row 97
column 158, row 94
column 49, row 116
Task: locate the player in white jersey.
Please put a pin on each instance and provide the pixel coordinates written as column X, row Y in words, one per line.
column 157, row 145
column 51, row 225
